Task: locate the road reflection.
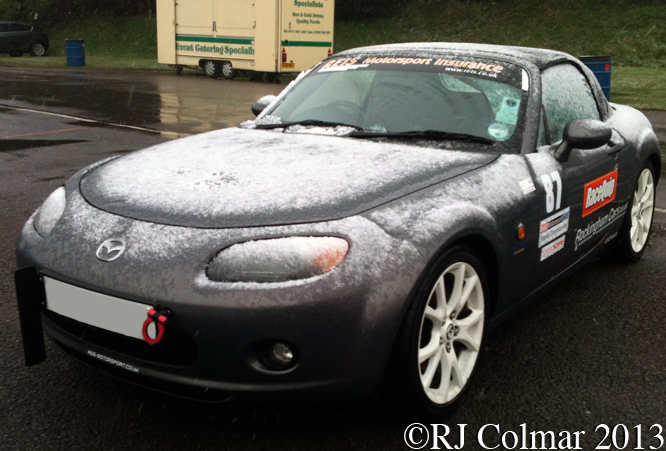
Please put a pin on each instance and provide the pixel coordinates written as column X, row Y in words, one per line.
column 183, row 105
column 203, row 105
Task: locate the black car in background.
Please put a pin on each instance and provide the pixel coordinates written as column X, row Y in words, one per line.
column 17, row 38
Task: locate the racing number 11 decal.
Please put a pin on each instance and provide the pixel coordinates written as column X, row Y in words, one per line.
column 551, row 201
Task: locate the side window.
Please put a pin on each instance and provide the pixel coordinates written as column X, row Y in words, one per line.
column 16, row 27
column 541, row 138
column 566, row 96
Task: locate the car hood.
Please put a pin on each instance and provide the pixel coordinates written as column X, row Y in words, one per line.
column 245, row 178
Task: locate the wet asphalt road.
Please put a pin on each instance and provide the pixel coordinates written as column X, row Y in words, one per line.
column 159, row 100
column 591, row 351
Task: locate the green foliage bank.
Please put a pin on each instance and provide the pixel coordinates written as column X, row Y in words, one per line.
column 122, row 33
column 633, row 32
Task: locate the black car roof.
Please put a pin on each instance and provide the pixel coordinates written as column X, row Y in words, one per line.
column 542, row 58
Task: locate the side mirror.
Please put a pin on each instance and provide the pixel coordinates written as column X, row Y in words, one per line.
column 582, row 134
column 261, row 104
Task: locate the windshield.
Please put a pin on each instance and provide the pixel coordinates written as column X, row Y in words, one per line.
column 398, row 95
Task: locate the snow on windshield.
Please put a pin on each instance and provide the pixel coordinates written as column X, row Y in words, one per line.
column 479, row 98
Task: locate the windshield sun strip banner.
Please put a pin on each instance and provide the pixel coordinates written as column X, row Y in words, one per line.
column 465, row 66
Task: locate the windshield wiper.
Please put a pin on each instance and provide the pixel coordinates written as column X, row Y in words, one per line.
column 315, row 122
column 421, row 134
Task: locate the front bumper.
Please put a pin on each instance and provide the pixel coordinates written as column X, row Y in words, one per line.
column 342, row 324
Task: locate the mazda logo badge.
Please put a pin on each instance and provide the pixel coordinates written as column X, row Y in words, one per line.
column 111, row 250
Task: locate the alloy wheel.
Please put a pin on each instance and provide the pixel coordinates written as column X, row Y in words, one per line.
column 642, row 209
column 38, row 49
column 451, row 333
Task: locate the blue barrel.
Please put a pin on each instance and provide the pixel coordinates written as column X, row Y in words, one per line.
column 75, row 50
column 601, row 67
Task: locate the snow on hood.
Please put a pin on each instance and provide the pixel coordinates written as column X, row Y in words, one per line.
column 248, row 178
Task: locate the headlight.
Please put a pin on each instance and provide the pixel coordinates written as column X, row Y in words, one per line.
column 278, row 259
column 50, row 211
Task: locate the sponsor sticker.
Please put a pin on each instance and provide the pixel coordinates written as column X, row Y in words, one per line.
column 498, row 131
column 527, row 186
column 552, row 248
column 508, row 112
column 553, row 226
column 599, row 192
column 111, row 361
column 446, row 67
column 610, row 238
column 598, row 225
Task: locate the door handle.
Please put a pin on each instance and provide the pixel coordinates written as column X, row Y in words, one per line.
column 616, row 144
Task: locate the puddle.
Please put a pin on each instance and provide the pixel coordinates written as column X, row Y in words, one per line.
column 13, row 145
column 87, row 124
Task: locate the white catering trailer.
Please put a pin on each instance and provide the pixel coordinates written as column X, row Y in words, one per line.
column 224, row 36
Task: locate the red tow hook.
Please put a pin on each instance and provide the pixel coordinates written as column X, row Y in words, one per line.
column 160, row 318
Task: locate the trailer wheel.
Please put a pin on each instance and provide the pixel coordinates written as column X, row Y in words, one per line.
column 212, row 69
column 228, row 70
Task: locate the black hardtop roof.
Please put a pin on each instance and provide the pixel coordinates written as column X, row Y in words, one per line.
column 540, row 57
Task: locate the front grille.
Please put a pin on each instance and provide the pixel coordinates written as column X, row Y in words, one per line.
column 175, row 349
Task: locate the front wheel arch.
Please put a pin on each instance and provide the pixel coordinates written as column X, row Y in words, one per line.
column 623, row 250
column 397, row 373
column 655, row 159
column 486, row 253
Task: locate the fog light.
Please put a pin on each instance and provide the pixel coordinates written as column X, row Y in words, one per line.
column 280, row 355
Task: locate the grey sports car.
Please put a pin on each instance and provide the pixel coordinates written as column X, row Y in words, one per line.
column 377, row 217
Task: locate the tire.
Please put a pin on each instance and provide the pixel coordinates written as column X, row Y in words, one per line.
column 16, row 53
column 212, row 69
column 635, row 230
column 37, row 49
column 228, row 70
column 442, row 337
column 179, row 70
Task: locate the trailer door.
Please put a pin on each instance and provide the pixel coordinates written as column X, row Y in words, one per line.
column 234, row 19
column 306, row 31
column 194, row 18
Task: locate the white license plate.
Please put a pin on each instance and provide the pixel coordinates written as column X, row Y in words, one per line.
column 96, row 309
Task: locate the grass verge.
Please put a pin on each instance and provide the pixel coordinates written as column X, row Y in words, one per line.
column 129, row 43
column 640, row 87
column 92, row 61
